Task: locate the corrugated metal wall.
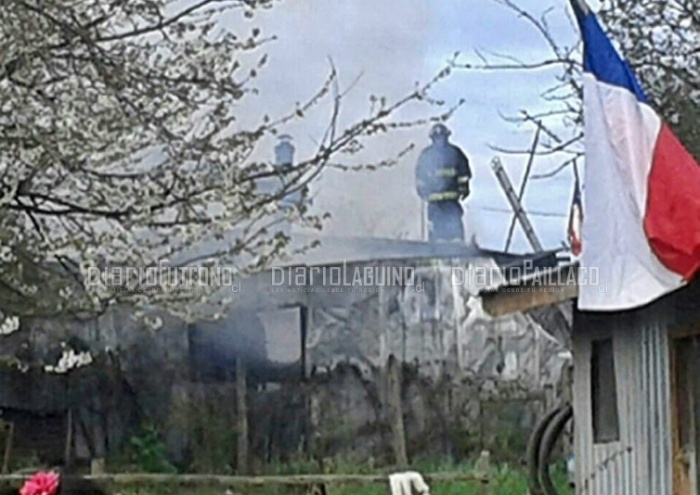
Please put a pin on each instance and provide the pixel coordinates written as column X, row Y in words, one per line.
column 640, row 462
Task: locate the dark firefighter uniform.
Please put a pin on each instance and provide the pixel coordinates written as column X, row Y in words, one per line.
column 442, row 180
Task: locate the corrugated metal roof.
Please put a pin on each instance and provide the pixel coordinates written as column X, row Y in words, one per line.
column 332, row 250
column 335, row 250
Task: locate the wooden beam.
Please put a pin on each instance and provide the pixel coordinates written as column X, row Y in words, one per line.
column 289, row 480
column 549, row 288
column 517, row 206
column 523, row 185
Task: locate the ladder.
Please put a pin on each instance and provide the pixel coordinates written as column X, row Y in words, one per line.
column 520, row 214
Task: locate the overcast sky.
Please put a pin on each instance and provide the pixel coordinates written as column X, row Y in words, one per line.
column 392, row 44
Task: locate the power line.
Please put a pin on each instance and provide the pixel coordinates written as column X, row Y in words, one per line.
column 510, row 212
column 552, row 173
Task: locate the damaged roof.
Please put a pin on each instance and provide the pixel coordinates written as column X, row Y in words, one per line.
column 334, row 250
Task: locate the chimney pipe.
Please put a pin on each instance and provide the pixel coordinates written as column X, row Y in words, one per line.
column 284, row 151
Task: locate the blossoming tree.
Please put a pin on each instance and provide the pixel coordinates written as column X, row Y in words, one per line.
column 120, row 145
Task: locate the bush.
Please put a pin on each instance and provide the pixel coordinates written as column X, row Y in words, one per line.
column 149, row 452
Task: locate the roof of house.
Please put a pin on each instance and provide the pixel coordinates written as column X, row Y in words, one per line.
column 331, row 250
column 334, row 250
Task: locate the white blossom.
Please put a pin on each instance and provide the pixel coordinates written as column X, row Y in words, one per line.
column 153, row 322
column 120, row 130
column 69, row 360
column 9, row 325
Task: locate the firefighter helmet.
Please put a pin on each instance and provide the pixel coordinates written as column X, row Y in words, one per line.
column 439, row 130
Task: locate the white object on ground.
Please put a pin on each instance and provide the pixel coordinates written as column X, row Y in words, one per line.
column 404, row 483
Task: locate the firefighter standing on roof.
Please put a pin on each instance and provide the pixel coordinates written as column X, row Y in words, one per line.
column 442, row 180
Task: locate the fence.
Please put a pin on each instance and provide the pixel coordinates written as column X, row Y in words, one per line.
column 327, row 480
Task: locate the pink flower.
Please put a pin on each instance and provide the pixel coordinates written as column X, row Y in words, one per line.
column 41, row 483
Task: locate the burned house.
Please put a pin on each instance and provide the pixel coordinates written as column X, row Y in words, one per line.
column 315, row 336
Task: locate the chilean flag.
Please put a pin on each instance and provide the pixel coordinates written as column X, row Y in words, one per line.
column 641, row 202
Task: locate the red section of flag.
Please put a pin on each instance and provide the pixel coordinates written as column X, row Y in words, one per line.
column 672, row 217
column 575, row 221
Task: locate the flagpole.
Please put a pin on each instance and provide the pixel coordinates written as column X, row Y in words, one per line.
column 582, row 6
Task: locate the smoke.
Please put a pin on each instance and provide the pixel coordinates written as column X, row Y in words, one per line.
column 384, row 48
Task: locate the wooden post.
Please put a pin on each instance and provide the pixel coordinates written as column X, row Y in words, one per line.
column 481, row 471
column 9, row 428
column 97, row 466
column 484, row 486
column 314, row 433
column 241, row 417
column 482, row 443
column 69, row 438
column 396, row 412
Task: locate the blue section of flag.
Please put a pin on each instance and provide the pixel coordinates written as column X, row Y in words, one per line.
column 601, row 59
